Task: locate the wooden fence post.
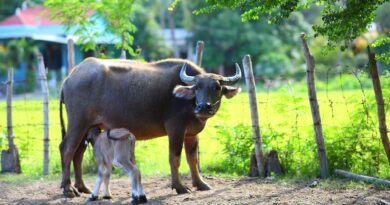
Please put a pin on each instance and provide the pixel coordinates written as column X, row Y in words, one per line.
column 376, row 83
column 71, row 62
column 250, row 83
column 198, row 61
column 10, row 158
column 45, row 96
column 315, row 111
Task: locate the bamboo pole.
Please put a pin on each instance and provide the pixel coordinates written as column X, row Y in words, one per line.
column 71, row 62
column 315, row 111
column 45, row 96
column 367, row 179
column 376, row 83
column 250, row 83
column 198, row 61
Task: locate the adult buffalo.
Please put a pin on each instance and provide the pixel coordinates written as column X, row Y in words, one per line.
column 171, row 97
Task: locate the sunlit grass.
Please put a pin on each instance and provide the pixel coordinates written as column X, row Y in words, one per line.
column 286, row 111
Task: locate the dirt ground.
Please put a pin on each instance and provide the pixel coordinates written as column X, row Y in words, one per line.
column 225, row 191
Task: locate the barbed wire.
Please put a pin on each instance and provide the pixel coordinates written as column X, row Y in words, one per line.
column 293, row 125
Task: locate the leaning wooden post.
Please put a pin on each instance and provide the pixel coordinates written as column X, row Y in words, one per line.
column 71, row 62
column 10, row 158
column 250, row 83
column 198, row 61
column 315, row 111
column 379, row 101
column 45, row 96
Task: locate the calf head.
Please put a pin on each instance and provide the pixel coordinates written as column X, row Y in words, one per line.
column 207, row 89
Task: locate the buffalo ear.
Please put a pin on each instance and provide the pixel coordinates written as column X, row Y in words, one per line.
column 186, row 92
column 230, row 91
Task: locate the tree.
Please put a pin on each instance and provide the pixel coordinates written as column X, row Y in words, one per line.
column 227, row 39
column 342, row 20
column 148, row 36
column 81, row 17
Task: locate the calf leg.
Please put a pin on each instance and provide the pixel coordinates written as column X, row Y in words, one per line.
column 137, row 192
column 106, row 180
column 191, row 148
column 99, row 178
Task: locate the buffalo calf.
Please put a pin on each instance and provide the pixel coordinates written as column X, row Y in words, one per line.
column 115, row 147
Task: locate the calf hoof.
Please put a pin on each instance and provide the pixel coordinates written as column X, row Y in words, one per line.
column 83, row 189
column 107, row 197
column 71, row 192
column 138, row 199
column 182, row 189
column 93, row 198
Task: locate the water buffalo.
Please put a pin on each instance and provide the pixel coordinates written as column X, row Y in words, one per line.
column 171, row 97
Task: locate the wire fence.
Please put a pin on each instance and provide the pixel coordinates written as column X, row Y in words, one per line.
column 347, row 108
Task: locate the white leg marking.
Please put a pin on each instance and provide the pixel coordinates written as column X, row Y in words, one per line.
column 97, row 185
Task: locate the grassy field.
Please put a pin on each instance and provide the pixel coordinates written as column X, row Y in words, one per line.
column 286, row 126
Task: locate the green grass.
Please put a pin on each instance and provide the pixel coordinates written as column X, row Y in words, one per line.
column 285, row 111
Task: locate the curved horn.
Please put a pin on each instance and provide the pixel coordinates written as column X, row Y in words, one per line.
column 189, row 80
column 232, row 79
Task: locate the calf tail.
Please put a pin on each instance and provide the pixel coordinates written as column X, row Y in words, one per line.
column 118, row 134
column 63, row 132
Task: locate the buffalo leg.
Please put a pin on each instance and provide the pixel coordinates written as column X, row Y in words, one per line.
column 191, row 148
column 175, row 147
column 78, row 169
column 68, row 147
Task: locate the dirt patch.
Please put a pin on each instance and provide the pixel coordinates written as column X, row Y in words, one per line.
column 225, row 191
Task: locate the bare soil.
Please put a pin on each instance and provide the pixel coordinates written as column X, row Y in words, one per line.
column 225, row 191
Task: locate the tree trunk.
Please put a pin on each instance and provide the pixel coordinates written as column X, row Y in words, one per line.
column 198, row 61
column 163, row 8
column 250, row 82
column 45, row 97
column 10, row 158
column 173, row 38
column 379, row 101
column 71, row 62
column 367, row 179
column 315, row 111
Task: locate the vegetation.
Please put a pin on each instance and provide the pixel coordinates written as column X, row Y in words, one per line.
column 349, row 122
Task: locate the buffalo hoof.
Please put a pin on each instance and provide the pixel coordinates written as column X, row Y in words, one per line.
column 107, row 197
column 93, row 198
column 202, row 186
column 182, row 189
column 83, row 189
column 71, row 192
column 138, row 199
